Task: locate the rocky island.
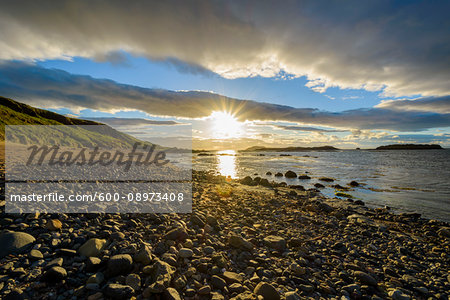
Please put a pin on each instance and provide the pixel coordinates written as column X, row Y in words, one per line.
column 409, row 147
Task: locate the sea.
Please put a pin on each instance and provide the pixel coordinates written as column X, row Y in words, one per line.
column 404, row 180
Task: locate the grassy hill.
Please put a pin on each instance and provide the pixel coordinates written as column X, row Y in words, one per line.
column 16, row 113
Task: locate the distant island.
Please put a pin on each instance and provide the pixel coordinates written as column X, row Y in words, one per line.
column 289, row 149
column 409, row 147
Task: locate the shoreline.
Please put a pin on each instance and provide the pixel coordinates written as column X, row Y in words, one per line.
column 240, row 242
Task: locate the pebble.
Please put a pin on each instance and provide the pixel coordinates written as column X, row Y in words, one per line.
column 267, row 291
column 118, row 291
column 185, row 253
column 55, row 274
column 92, row 247
column 53, row 225
column 119, row 264
column 15, row 242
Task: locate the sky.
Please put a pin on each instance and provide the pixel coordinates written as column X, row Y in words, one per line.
column 240, row 73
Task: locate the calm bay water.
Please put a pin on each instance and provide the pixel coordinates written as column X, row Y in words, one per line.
column 405, row 180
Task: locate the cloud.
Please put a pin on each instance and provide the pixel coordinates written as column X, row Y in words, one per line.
column 401, row 48
column 131, row 121
column 302, row 128
column 434, row 104
column 51, row 88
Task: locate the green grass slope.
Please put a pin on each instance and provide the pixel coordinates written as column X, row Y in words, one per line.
column 16, row 113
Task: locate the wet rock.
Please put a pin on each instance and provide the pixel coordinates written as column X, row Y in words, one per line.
column 353, row 183
column 118, row 291
column 267, row 291
column 55, row 274
column 279, row 174
column 304, row 176
column 92, row 247
column 290, row 174
column 319, row 185
column 119, row 264
column 15, row 242
column 326, row 179
column 269, row 173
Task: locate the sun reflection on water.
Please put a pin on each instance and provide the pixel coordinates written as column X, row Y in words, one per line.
column 226, row 164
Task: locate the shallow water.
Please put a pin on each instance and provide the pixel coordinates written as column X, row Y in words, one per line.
column 405, row 180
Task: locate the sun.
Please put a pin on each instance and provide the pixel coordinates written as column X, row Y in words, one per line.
column 225, row 125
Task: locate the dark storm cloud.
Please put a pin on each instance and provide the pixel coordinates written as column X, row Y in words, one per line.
column 400, row 47
column 435, row 104
column 55, row 88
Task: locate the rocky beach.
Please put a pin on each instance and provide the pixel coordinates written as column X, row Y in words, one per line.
column 243, row 240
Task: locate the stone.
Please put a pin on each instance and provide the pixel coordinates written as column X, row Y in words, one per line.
column 53, row 225
column 275, row 242
column 119, row 264
column 143, row 256
column 239, row 242
column 185, row 253
column 96, row 296
column 232, row 277
column 57, row 262
column 96, row 278
column 171, row 294
column 290, row 174
column 92, row 247
column 236, row 288
column 133, row 280
column 197, row 220
column 35, row 254
column 304, row 176
column 118, row 291
column 15, row 242
column 353, row 183
column 267, row 291
column 178, row 233
column 55, row 274
column 292, row 296
column 218, row 282
column 398, row 295
column 365, row 278
column 204, row 290
column 209, row 250
column 160, row 270
column 93, row 264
